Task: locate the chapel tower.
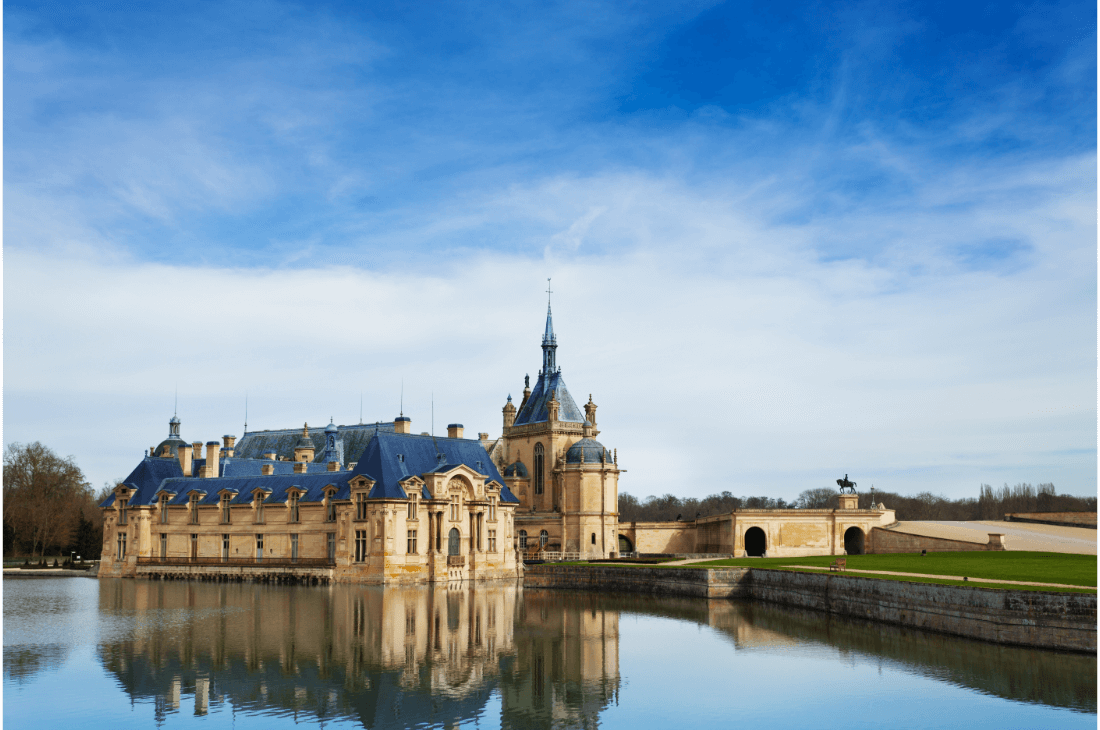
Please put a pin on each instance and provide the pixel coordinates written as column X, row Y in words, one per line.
column 565, row 480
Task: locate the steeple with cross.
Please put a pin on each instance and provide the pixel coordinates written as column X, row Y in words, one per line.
column 549, row 341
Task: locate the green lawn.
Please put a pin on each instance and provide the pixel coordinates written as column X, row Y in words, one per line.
column 1067, row 568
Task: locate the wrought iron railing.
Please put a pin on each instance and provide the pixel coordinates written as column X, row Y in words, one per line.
column 241, row 562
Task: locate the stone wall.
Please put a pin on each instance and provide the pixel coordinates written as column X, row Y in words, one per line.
column 1068, row 519
column 1063, row 621
column 702, row 583
column 660, row 537
column 892, row 541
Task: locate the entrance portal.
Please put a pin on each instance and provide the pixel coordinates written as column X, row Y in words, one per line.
column 853, row 541
column 756, row 542
column 624, row 545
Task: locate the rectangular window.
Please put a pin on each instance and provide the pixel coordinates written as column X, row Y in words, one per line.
column 259, row 547
column 492, row 509
column 122, row 510
column 225, row 509
column 293, row 517
column 412, row 542
column 164, row 510
column 225, row 547
column 330, row 510
column 163, row 545
column 454, row 508
column 361, row 506
column 331, row 547
column 492, row 541
column 360, row 546
column 121, row 545
column 194, row 509
column 412, row 509
column 194, row 546
column 293, row 547
column 523, row 539
column 260, row 508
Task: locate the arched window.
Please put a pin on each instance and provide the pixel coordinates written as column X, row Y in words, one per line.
column 523, row 539
column 593, row 538
column 544, row 537
column 539, row 471
column 453, row 542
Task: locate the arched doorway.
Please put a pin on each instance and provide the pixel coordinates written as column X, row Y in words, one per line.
column 453, row 542
column 756, row 542
column 624, row 544
column 853, row 541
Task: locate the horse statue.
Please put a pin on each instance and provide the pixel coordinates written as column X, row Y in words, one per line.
column 846, row 485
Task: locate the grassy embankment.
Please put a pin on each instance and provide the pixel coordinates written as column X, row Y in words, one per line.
column 1065, row 568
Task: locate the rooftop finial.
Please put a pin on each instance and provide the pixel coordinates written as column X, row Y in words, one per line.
column 245, row 412
column 402, row 397
column 549, row 341
column 175, row 400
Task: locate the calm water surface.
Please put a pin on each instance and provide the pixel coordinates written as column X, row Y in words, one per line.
column 131, row 653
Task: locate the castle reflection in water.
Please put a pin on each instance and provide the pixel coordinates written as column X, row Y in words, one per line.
column 427, row 655
column 393, row 657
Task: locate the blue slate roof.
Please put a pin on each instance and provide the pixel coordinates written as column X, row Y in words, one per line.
column 278, row 484
column 392, row 457
column 145, row 479
column 419, row 455
column 350, row 442
column 587, row 451
column 534, row 410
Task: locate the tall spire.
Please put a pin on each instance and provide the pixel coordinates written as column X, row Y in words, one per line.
column 549, row 341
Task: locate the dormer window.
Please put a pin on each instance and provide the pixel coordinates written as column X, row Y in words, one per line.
column 225, row 509
column 122, row 504
column 361, row 506
column 292, row 503
column 194, row 506
column 492, row 509
column 259, row 497
column 164, row 509
column 412, row 508
column 401, row 457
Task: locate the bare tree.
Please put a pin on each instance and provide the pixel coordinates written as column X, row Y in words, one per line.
column 43, row 496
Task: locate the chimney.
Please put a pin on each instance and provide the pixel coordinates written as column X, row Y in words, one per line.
column 211, row 469
column 454, row 430
column 300, row 467
column 227, row 443
column 334, row 466
column 267, row 469
column 402, row 424
column 269, row 455
column 196, row 451
column 184, row 454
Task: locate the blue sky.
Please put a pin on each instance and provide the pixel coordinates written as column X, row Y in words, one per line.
column 785, row 242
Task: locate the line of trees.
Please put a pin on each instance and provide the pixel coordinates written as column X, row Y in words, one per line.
column 49, row 507
column 991, row 504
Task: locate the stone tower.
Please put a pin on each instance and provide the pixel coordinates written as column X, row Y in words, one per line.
column 566, row 481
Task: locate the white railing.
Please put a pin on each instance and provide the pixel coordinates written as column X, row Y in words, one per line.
column 558, row 557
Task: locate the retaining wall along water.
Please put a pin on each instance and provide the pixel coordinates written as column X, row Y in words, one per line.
column 1063, row 621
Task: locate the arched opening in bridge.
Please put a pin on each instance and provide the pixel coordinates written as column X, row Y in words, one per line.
column 453, row 540
column 756, row 542
column 853, row 541
column 624, row 545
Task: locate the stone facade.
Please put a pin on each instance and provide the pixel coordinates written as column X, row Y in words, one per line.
column 414, row 509
column 567, row 483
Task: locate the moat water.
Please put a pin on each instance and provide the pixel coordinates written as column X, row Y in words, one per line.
column 81, row 652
